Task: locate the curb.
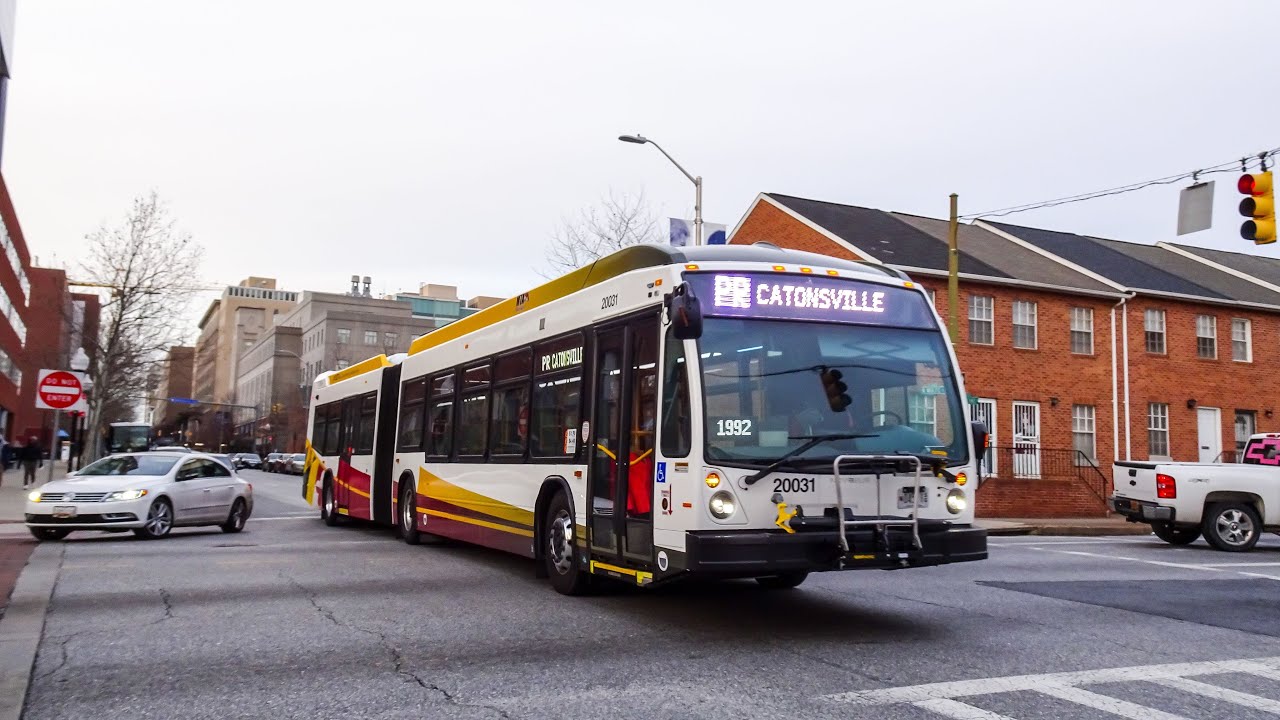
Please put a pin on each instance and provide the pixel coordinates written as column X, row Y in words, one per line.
column 1070, row 530
column 23, row 625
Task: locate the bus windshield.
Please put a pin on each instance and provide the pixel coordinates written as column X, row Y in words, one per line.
column 763, row 391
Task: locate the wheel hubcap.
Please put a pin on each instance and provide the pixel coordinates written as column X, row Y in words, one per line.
column 1234, row 527
column 237, row 515
column 328, row 501
column 560, row 542
column 158, row 519
column 406, row 513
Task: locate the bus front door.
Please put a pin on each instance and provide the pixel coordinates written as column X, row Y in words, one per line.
column 622, row 441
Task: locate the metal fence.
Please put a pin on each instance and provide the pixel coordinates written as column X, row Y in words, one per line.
column 1029, row 462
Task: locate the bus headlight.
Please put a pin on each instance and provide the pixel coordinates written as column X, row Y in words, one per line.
column 956, row 501
column 722, row 505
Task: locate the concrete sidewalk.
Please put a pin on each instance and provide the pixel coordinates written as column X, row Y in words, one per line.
column 1086, row 527
column 13, row 498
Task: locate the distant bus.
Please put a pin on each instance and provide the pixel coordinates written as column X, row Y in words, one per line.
column 128, row 437
column 615, row 422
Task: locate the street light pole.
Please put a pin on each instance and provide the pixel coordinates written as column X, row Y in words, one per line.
column 639, row 139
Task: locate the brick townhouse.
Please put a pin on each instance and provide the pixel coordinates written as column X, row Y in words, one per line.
column 1049, row 323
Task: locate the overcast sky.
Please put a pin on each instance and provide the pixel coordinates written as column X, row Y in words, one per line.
column 443, row 142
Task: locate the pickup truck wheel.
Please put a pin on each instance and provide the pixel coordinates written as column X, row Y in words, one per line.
column 1175, row 535
column 1232, row 526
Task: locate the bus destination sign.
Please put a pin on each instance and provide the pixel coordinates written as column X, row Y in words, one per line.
column 809, row 297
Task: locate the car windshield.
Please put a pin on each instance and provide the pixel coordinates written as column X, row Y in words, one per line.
column 131, row 465
column 764, row 390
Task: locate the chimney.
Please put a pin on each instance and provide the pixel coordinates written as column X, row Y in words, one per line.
column 355, row 285
column 367, row 282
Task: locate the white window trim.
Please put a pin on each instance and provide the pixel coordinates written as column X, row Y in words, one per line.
column 990, row 319
column 1213, row 330
column 1152, row 428
column 1086, row 313
column 1248, row 340
column 1034, row 324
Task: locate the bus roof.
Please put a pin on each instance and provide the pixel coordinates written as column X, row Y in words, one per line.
column 631, row 258
column 131, row 424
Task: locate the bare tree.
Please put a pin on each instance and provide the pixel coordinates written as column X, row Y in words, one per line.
column 149, row 268
column 616, row 222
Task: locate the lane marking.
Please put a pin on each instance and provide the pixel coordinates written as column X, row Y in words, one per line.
column 286, row 517
column 1221, row 693
column 1265, row 667
column 1161, row 563
column 1106, row 704
column 958, row 710
column 1244, row 564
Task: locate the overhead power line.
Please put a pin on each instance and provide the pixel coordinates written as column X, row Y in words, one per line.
column 1239, row 165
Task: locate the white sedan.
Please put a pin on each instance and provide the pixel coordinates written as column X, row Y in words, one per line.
column 149, row 493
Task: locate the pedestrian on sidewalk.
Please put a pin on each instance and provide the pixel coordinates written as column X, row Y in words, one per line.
column 32, row 457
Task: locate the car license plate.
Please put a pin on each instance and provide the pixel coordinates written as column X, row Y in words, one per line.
column 64, row 511
column 906, row 498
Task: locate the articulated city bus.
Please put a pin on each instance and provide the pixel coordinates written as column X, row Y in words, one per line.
column 732, row 411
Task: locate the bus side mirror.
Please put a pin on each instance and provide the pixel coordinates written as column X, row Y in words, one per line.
column 981, row 439
column 684, row 312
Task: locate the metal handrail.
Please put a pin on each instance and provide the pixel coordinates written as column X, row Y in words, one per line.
column 913, row 522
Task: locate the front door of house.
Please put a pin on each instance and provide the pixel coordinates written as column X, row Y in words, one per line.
column 1026, row 439
column 1209, row 433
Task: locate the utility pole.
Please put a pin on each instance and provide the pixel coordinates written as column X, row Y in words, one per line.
column 953, row 272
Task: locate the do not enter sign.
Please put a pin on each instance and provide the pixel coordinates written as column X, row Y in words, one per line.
column 58, row 390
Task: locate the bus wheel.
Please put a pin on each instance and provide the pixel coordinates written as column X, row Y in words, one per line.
column 567, row 577
column 408, row 515
column 783, row 581
column 328, row 509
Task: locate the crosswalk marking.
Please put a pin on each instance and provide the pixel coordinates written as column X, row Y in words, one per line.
column 1123, row 708
column 1263, row 667
column 958, row 710
column 1221, row 693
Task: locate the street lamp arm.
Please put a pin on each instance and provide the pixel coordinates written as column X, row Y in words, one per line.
column 692, row 179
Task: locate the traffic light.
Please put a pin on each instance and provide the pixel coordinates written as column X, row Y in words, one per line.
column 835, row 389
column 1259, row 207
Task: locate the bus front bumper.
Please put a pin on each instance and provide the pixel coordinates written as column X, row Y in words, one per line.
column 747, row 553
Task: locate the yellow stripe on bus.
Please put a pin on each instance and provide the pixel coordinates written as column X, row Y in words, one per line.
column 610, row 266
column 355, row 490
column 374, row 363
column 437, row 488
column 481, row 523
column 641, row 576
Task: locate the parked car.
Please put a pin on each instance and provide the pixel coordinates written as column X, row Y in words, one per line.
column 273, row 462
column 225, row 460
column 295, row 463
column 1231, row 505
column 171, row 448
column 149, row 493
column 247, row 460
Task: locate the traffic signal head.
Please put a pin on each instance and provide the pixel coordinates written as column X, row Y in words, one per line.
column 835, row 389
column 1259, row 207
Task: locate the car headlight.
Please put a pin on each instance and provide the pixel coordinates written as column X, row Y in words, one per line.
column 126, row 495
column 722, row 505
column 34, row 496
column 956, row 501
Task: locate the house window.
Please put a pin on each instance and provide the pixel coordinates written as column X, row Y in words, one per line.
column 370, row 337
column 982, row 319
column 1246, row 425
column 1242, row 340
column 391, row 339
column 1207, row 337
column 1083, row 435
column 344, row 336
column 1158, row 430
column 1153, row 321
column 1024, row 324
column 1082, row 331
column 933, row 297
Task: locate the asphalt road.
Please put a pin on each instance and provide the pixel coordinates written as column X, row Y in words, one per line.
column 292, row 619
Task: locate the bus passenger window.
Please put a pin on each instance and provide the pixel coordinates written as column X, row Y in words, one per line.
column 676, row 430
column 510, row 420
column 440, row 417
column 555, row 415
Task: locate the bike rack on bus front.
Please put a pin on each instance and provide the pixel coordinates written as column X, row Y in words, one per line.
column 880, row 522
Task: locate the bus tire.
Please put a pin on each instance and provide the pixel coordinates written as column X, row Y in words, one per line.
column 560, row 550
column 783, row 581
column 328, row 507
column 408, row 508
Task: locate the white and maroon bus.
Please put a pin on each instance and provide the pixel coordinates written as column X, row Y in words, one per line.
column 732, row 411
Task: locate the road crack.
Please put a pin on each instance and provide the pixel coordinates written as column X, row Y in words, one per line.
column 398, row 659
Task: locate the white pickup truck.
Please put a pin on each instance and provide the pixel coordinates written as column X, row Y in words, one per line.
column 1230, row 504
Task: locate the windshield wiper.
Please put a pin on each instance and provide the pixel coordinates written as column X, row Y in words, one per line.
column 814, row 441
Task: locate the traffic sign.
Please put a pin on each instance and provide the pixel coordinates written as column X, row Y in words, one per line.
column 59, row 390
